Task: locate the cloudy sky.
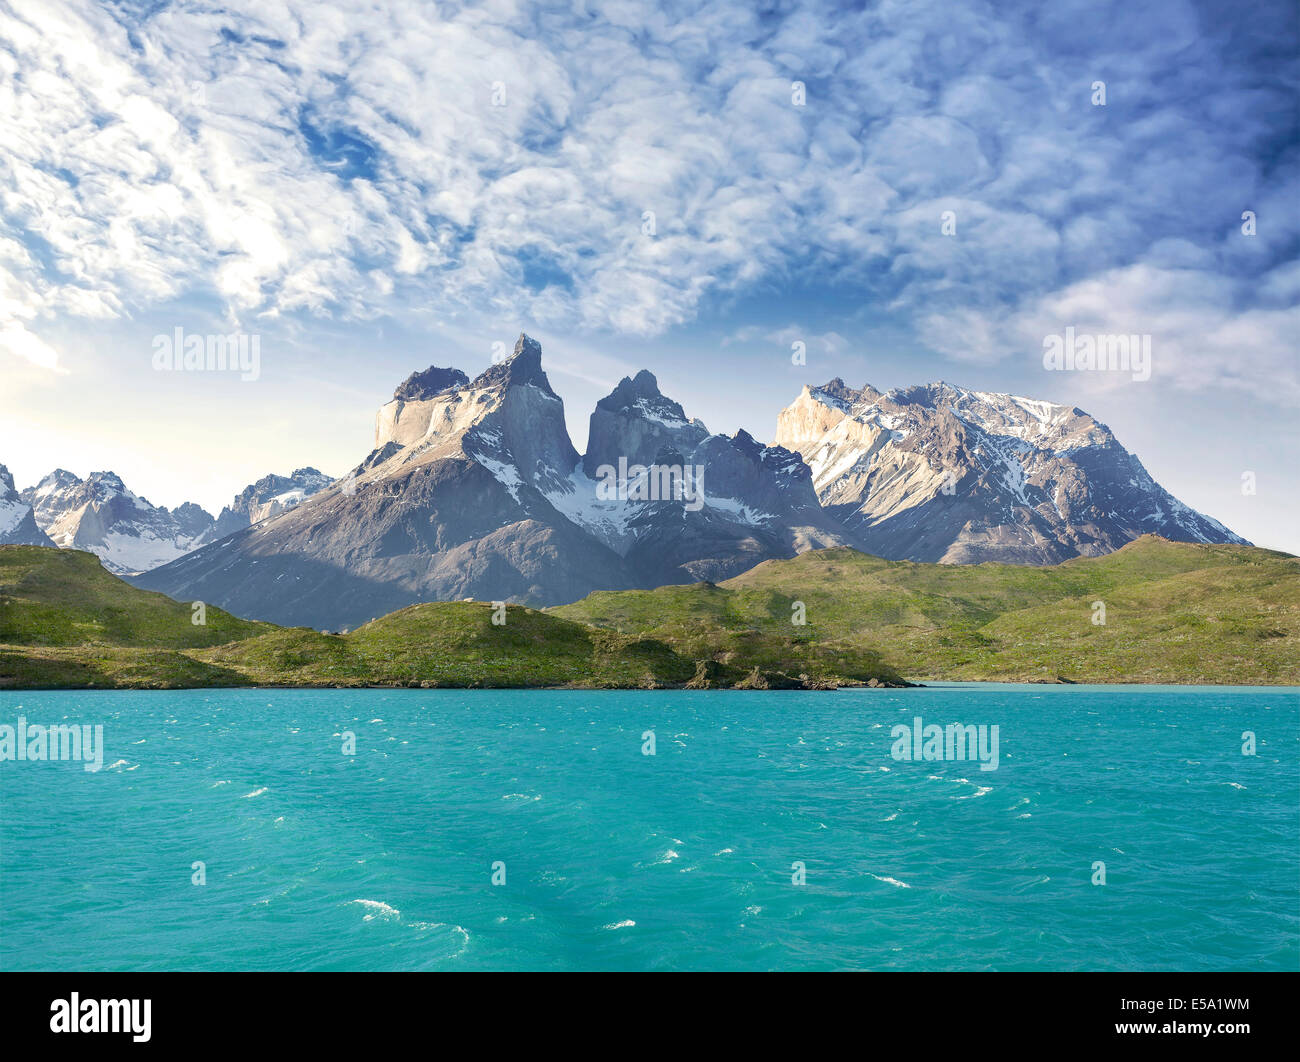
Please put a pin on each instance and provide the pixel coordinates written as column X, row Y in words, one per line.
column 913, row 191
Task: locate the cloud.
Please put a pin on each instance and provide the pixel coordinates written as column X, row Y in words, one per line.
column 19, row 342
column 1201, row 337
column 342, row 159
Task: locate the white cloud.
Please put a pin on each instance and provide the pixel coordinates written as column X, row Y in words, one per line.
column 19, row 342
column 345, row 159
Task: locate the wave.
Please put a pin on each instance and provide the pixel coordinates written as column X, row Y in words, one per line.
column 379, row 909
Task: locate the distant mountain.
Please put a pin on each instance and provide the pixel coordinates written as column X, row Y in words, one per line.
column 100, row 515
column 17, row 523
column 269, row 496
column 942, row 473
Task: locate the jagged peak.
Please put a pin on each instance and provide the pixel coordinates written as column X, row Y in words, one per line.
column 60, row 477
column 640, row 395
column 524, row 366
column 837, row 393
column 423, row 385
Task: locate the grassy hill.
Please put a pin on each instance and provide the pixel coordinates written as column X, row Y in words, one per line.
column 1174, row 612
column 66, row 622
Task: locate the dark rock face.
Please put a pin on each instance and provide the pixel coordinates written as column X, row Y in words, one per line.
column 634, row 421
column 433, row 381
column 523, row 367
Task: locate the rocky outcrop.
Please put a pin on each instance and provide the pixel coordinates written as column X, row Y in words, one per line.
column 635, row 421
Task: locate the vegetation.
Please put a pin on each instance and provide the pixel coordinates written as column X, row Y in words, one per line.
column 1174, row 612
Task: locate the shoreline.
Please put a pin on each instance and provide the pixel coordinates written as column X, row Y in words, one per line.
column 929, row 684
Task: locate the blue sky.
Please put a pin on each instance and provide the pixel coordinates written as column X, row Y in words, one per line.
column 374, row 188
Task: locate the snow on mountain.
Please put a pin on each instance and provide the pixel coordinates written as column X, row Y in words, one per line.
column 17, row 523
column 269, row 496
column 943, row 473
column 99, row 514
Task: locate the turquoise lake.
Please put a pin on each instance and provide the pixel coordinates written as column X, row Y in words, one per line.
column 383, row 860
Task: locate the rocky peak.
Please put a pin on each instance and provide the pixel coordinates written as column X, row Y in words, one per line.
column 192, row 520
column 523, row 367
column 636, row 421
column 17, row 524
column 640, row 396
column 427, row 384
column 837, row 393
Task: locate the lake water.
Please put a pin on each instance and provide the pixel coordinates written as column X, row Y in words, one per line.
column 613, row 859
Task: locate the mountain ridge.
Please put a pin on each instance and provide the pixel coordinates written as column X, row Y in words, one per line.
column 473, row 488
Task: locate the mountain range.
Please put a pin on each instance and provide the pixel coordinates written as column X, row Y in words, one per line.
column 100, row 515
column 473, row 489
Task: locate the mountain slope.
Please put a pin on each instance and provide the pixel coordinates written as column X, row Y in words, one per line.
column 66, row 622
column 941, row 473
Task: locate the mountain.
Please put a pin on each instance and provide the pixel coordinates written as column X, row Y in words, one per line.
column 474, row 489
column 736, row 502
column 101, row 515
column 448, row 505
column 942, row 473
column 269, row 496
column 17, row 523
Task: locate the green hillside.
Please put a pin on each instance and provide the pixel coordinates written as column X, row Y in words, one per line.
column 1174, row 612
column 66, row 622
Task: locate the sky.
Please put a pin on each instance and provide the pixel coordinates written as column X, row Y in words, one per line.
column 901, row 191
